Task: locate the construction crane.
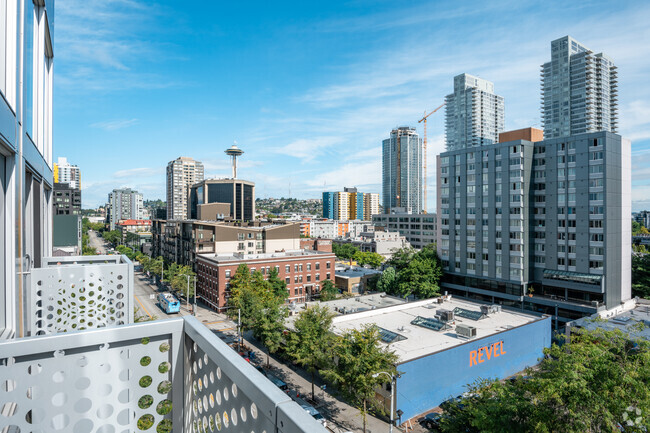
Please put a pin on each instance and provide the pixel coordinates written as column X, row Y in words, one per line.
column 424, row 166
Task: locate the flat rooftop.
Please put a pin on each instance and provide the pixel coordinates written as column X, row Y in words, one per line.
column 413, row 341
column 354, row 272
column 236, row 257
column 627, row 321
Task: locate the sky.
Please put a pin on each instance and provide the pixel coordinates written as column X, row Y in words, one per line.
column 310, row 89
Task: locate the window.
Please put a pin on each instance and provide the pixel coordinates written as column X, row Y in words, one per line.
column 287, row 268
column 328, row 265
column 317, row 277
column 596, row 169
column 287, row 280
column 227, row 273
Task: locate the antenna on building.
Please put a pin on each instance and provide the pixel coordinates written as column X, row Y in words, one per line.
column 233, row 151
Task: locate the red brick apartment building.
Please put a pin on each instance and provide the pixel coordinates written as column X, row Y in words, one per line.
column 303, row 271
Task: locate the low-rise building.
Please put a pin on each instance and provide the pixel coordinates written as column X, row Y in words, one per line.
column 643, row 218
column 418, row 229
column 444, row 344
column 353, row 279
column 378, row 241
column 316, row 244
column 67, row 199
column 631, row 317
column 332, row 229
column 303, row 271
column 181, row 241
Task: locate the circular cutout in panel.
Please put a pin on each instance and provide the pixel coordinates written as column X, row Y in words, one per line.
column 164, row 387
column 253, row 411
column 8, row 385
column 60, row 421
column 218, row 373
column 234, row 390
column 242, row 414
column 105, row 390
column 164, row 367
column 35, row 416
column 226, row 422
column 59, row 399
column 83, row 426
column 83, row 405
column 58, row 377
column 226, row 395
column 145, row 401
column 164, row 426
column 106, row 429
column 104, row 411
column 164, row 347
column 217, row 421
column 164, row 407
column 211, row 377
column 125, row 375
column 34, row 369
column 124, row 397
column 33, row 392
column 233, row 416
column 145, row 361
column 145, row 422
column 145, row 381
column 217, row 397
column 82, row 383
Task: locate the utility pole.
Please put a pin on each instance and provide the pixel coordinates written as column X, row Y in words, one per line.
column 188, row 292
column 239, row 329
column 194, row 309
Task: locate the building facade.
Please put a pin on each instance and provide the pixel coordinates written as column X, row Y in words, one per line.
column 579, row 91
column 303, row 271
column 64, row 172
column 67, row 200
column 402, row 170
column 643, row 218
column 418, row 229
column 182, row 173
column 181, row 241
column 26, row 169
column 541, row 226
column 124, row 204
column 475, row 115
column 380, row 241
column 350, row 205
column 238, row 194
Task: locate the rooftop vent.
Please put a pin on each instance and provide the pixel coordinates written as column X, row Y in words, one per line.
column 465, row 331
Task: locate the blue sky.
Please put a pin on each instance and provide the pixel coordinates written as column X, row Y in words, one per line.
column 309, row 89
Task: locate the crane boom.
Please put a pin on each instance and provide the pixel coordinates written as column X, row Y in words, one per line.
column 424, row 166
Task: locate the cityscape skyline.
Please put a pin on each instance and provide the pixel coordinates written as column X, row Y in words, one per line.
column 338, row 108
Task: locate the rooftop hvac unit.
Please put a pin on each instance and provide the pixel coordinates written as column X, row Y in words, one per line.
column 494, row 309
column 465, row 331
column 440, row 300
column 445, row 315
column 485, row 309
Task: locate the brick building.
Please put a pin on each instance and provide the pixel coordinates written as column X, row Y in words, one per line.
column 303, row 271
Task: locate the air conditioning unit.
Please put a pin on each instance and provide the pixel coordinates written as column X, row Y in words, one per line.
column 440, row 300
column 485, row 309
column 445, row 315
column 465, row 331
column 495, row 309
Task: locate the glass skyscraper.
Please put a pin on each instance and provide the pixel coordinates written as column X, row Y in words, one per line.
column 579, row 91
column 402, row 170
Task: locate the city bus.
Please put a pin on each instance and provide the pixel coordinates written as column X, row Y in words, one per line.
column 168, row 303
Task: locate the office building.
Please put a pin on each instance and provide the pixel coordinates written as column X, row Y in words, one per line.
column 643, row 218
column 402, row 170
column 67, row 200
column 443, row 344
column 124, row 204
column 53, row 379
column 182, row 173
column 579, row 91
column 64, row 172
column 181, row 241
column 541, row 226
column 303, row 271
column 350, row 205
column 236, row 196
column 474, row 113
column 418, row 229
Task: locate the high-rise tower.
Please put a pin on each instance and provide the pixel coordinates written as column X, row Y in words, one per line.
column 579, row 91
column 182, row 173
column 474, row 114
column 402, row 170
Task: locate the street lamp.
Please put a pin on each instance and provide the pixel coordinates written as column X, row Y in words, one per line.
column 393, row 379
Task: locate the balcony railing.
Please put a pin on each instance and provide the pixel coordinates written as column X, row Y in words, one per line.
column 80, row 292
column 162, row 376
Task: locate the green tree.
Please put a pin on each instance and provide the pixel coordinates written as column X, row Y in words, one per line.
column 311, row 343
column 154, row 266
column 269, row 325
column 113, row 237
column 386, row 282
column 344, row 251
column 360, row 356
column 368, row 258
column 417, row 272
column 178, row 276
column 277, row 285
column 596, row 382
column 328, row 291
column 641, row 276
column 243, row 298
column 122, row 249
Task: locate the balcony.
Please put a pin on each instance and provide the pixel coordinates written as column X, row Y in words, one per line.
column 87, row 367
column 174, row 375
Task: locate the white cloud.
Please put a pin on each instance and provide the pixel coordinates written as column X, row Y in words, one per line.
column 307, row 149
column 112, row 125
column 141, row 172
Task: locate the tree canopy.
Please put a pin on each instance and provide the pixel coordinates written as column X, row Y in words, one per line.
column 328, row 291
column 641, row 276
column 415, row 273
column 596, row 382
column 374, row 260
column 344, row 251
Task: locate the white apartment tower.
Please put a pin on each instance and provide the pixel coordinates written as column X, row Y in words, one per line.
column 474, row 114
column 579, row 91
column 124, row 204
column 182, row 173
column 64, row 172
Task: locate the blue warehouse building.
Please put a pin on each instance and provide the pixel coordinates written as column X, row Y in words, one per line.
column 444, row 344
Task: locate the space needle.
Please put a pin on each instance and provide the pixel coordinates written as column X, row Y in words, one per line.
column 233, row 151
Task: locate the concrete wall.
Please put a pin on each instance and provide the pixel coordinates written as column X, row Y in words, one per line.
column 428, row 381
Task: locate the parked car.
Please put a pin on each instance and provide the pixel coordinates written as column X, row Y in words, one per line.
column 278, row 382
column 432, row 420
column 316, row 414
